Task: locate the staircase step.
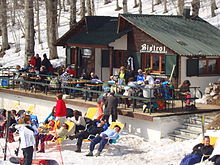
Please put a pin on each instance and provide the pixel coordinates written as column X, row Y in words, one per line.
column 186, row 132
column 193, row 127
column 190, row 131
column 198, row 120
column 177, row 137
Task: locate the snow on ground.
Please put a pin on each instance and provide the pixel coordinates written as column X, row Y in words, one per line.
column 129, row 150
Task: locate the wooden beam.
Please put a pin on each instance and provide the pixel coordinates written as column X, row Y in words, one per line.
column 110, row 61
column 87, row 46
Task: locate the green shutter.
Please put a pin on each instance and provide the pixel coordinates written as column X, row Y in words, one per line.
column 170, row 61
column 137, row 60
column 68, row 56
column 105, row 58
column 192, row 67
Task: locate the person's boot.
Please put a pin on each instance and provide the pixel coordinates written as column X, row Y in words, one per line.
column 98, row 153
column 78, row 149
column 90, row 154
column 72, row 137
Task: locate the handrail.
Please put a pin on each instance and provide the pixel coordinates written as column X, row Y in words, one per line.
column 150, row 99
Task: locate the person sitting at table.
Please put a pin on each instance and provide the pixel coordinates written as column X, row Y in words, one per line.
column 63, row 78
column 38, row 61
column 140, row 76
column 71, row 71
column 94, row 80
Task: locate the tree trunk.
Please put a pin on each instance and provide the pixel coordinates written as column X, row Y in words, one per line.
column 117, row 6
column 157, row 2
column 135, row 4
column 140, row 7
column 68, row 2
column 72, row 12
column 64, row 6
column 82, row 9
column 165, row 6
column 213, row 8
column 59, row 13
column 180, row 6
column 3, row 13
column 14, row 3
column 29, row 30
column 106, row 2
column 89, row 7
column 93, row 7
column 195, row 7
column 38, row 21
column 125, row 6
column 51, row 9
column 152, row 6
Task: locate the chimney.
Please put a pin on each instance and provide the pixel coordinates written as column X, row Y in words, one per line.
column 186, row 12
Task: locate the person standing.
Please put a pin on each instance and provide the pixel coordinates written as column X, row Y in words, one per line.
column 111, row 105
column 27, row 139
column 38, row 61
column 60, row 113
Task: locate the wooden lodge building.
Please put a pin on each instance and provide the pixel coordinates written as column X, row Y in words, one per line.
column 189, row 45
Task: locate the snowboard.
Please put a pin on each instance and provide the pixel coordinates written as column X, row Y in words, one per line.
column 18, row 160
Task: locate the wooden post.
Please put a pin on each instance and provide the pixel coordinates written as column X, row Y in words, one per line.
column 111, row 61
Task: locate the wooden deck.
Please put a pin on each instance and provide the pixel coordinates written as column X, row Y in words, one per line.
column 137, row 113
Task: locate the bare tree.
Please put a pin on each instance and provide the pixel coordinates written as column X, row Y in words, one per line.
column 37, row 9
column 3, row 15
column 140, row 7
column 152, row 6
column 29, row 30
column 117, row 6
column 195, row 7
column 13, row 3
column 180, row 4
column 93, row 7
column 51, row 12
column 157, row 2
column 125, row 6
column 165, row 6
column 89, row 7
column 106, row 2
column 135, row 4
column 213, row 8
column 59, row 12
column 82, row 8
column 72, row 12
column 64, row 6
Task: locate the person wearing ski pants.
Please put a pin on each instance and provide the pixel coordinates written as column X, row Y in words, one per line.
column 27, row 139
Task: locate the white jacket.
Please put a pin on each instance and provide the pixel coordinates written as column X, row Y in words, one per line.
column 26, row 136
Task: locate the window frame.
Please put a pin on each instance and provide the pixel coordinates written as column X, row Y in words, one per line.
column 144, row 64
column 207, row 66
column 118, row 63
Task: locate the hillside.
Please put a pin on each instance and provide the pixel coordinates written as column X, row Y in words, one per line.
column 16, row 36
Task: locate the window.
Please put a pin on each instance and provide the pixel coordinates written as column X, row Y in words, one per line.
column 119, row 58
column 156, row 62
column 209, row 66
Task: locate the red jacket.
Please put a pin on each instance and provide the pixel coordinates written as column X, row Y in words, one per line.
column 60, row 108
